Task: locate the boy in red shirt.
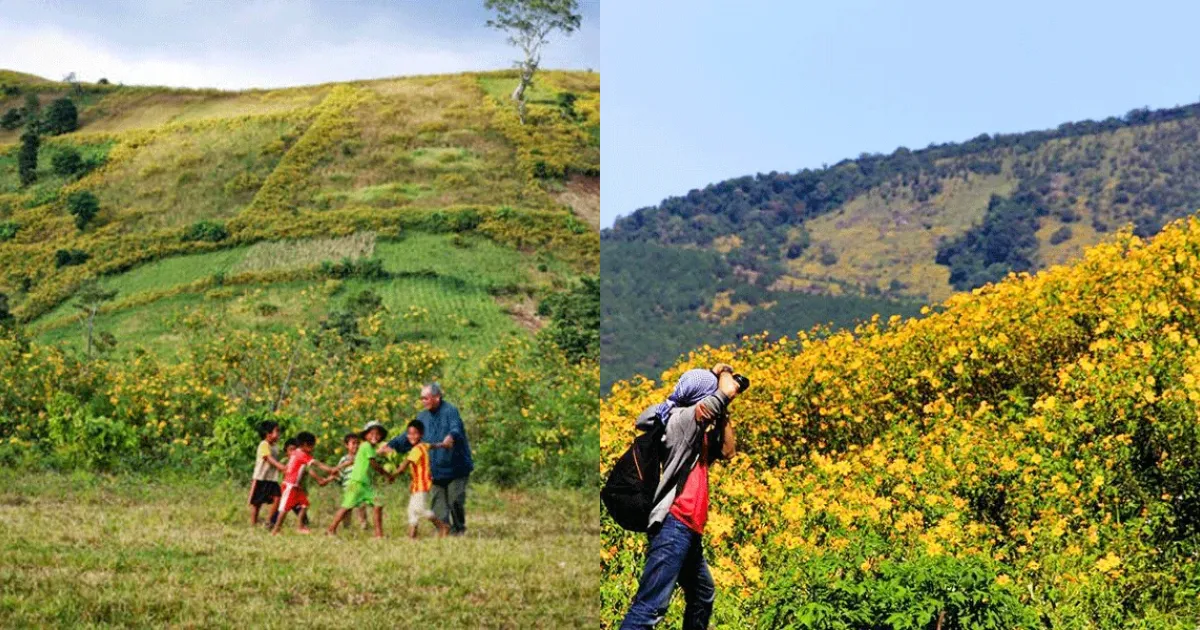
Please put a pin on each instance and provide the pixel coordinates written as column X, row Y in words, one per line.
column 293, row 495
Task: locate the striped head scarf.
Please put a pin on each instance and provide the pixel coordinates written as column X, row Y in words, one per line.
column 693, row 386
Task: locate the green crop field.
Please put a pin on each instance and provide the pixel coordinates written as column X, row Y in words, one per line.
column 443, row 292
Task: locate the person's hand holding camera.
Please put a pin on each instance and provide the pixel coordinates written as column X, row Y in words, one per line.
column 729, row 384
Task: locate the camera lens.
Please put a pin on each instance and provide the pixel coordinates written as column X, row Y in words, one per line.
column 742, row 381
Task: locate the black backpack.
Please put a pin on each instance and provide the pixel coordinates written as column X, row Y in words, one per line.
column 628, row 492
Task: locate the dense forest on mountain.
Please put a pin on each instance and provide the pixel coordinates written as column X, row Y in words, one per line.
column 911, row 227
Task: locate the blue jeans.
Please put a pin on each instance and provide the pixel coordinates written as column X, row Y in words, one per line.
column 675, row 556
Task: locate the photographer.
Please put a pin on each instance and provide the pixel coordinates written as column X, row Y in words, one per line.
column 695, row 436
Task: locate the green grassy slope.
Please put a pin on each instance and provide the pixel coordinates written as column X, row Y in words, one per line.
column 913, row 226
column 472, row 212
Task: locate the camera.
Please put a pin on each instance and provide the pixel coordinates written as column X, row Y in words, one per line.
column 743, row 383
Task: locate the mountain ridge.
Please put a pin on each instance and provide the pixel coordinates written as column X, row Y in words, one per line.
column 915, row 225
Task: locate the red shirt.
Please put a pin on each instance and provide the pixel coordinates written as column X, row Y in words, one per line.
column 691, row 506
column 295, row 467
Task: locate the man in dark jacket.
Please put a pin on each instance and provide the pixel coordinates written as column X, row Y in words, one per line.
column 451, row 466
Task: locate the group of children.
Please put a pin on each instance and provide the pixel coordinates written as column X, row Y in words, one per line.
column 355, row 471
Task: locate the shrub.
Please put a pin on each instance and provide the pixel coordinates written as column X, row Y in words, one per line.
column 574, row 320
column 566, row 104
column 437, row 222
column 6, row 316
column 68, row 163
column 210, row 231
column 83, row 205
column 70, row 257
column 1060, row 235
column 27, row 157
column 575, row 226
column 8, row 230
column 11, row 119
column 465, row 220
column 79, row 439
column 365, row 268
column 61, row 117
column 231, row 446
column 940, row 591
column 532, row 417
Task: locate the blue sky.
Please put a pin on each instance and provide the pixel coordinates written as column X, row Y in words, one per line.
column 699, row 91
column 266, row 43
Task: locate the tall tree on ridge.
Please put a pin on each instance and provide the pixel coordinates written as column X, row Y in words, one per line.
column 529, row 23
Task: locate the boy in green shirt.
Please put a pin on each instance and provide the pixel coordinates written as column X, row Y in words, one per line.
column 359, row 491
column 352, row 442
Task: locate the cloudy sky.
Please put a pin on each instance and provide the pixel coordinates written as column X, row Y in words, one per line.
column 266, row 43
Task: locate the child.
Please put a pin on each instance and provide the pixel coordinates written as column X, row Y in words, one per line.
column 417, row 461
column 265, row 485
column 293, row 494
column 289, row 447
column 359, row 492
column 351, row 441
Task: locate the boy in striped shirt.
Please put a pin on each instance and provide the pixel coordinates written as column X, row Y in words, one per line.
column 417, row 461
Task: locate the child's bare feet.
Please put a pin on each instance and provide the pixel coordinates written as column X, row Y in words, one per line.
column 304, row 530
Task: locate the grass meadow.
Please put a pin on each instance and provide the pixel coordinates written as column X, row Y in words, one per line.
column 89, row 551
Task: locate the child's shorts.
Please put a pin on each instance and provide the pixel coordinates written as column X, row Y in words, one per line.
column 418, row 507
column 263, row 491
column 358, row 494
column 293, row 497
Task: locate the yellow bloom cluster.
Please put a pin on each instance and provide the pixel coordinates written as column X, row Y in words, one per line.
column 1044, row 424
column 222, row 371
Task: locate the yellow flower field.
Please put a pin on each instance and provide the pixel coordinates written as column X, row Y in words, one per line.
column 1025, row 455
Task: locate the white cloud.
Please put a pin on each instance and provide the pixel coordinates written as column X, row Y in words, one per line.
column 258, row 44
column 51, row 53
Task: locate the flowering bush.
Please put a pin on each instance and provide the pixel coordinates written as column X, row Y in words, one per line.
column 534, row 413
column 1045, row 427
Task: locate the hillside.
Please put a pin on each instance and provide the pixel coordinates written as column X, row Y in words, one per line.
column 342, row 242
column 912, row 226
column 383, row 159
column 1026, row 457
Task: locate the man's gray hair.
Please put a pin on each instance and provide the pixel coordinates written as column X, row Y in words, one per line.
column 433, row 388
